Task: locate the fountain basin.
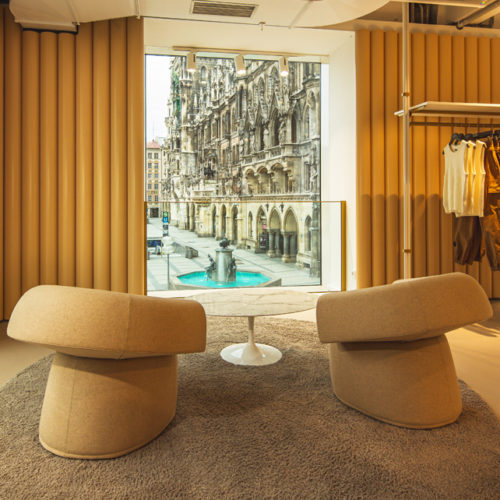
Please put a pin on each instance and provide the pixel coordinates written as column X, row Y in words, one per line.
column 198, row 279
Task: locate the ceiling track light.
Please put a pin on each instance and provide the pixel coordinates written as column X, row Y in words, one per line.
column 240, row 65
column 284, row 69
column 191, row 62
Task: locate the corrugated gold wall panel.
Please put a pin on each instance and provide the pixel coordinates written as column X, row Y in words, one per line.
column 84, row 160
column 135, row 156
column 118, row 107
column 12, row 164
column 30, row 151
column 443, row 68
column 48, row 159
column 71, row 158
column 66, row 119
column 102, row 237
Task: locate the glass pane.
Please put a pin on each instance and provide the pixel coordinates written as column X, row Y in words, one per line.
column 236, row 174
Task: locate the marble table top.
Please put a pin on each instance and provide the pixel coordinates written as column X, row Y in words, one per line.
column 254, row 302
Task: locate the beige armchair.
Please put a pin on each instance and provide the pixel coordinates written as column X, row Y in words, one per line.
column 389, row 357
column 113, row 382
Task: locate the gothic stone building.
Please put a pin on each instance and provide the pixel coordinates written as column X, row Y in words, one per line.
column 243, row 156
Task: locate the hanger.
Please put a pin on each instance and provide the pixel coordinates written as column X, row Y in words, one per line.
column 455, row 139
column 481, row 135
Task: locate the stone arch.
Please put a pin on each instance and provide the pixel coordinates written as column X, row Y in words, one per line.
column 290, row 236
column 261, row 231
column 290, row 223
column 274, row 219
column 275, row 235
column 264, row 177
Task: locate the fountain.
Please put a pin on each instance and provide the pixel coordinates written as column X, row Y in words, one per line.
column 222, row 273
column 223, row 268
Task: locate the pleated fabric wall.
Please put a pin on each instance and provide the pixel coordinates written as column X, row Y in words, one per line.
column 71, row 158
column 443, row 68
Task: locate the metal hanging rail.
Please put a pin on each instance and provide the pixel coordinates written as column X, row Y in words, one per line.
column 434, row 109
column 453, row 109
column 456, row 124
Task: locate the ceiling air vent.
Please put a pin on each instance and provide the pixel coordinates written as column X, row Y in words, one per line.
column 223, row 8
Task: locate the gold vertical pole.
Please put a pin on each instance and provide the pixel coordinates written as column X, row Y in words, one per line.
column 407, row 271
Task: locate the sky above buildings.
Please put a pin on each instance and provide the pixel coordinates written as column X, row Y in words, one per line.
column 157, row 95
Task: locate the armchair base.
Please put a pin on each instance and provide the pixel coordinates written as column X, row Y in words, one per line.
column 104, row 408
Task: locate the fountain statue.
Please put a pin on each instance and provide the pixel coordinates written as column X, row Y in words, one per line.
column 211, row 267
column 232, row 270
column 223, row 268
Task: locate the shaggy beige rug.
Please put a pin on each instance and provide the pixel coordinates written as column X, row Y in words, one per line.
column 257, row 432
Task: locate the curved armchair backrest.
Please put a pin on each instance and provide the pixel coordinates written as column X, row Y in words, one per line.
column 406, row 310
column 102, row 324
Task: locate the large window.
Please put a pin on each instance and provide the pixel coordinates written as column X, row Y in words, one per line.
column 240, row 162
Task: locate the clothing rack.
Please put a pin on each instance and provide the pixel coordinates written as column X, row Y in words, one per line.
column 433, row 109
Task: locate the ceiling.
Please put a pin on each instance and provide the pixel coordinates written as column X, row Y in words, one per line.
column 65, row 14
column 447, row 13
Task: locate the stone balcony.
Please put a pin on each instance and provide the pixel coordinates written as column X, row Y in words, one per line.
column 286, row 151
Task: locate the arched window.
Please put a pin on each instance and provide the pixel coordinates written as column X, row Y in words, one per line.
column 203, row 73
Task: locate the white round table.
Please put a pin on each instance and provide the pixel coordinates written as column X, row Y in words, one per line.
column 252, row 302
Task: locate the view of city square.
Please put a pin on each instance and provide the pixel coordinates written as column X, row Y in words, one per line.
column 234, row 182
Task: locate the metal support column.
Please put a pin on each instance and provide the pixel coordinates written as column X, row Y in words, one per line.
column 407, row 247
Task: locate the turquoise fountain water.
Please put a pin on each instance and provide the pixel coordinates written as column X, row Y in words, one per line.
column 243, row 279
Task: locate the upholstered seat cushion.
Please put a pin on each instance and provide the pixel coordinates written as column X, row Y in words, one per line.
column 404, row 311
column 102, row 324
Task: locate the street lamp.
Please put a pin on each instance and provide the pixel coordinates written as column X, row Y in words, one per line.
column 168, row 245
